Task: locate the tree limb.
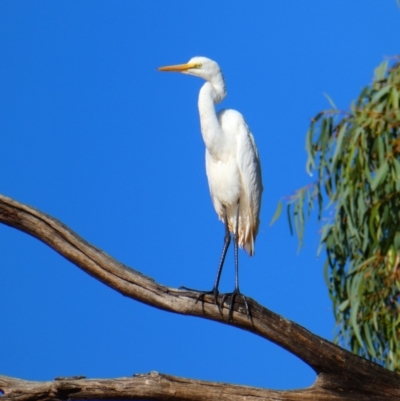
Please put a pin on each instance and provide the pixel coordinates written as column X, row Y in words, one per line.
column 156, row 386
column 339, row 371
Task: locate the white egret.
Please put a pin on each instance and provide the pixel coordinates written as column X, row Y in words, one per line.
column 232, row 166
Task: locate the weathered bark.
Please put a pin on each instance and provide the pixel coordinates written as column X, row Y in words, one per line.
column 341, row 375
column 156, row 386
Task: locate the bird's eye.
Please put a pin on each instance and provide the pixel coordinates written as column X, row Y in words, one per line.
column 198, row 65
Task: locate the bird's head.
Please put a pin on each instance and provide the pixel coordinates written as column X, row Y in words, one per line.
column 201, row 67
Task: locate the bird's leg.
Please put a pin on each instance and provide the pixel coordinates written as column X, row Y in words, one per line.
column 236, row 291
column 227, row 241
column 214, row 291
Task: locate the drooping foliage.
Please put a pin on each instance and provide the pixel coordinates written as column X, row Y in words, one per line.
column 355, row 156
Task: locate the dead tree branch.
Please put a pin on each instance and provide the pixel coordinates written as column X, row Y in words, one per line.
column 152, row 386
column 340, row 373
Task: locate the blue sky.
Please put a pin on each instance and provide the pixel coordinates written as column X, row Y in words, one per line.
column 93, row 135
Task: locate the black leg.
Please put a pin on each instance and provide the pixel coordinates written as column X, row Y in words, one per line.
column 236, row 291
column 214, row 291
column 227, row 241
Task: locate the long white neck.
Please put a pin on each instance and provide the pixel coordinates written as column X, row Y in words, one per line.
column 210, row 94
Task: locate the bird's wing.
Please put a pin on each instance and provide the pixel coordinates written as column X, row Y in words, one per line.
column 250, row 171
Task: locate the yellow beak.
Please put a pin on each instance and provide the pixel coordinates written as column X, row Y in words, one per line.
column 178, row 67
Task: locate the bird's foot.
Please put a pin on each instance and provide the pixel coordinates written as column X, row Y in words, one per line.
column 202, row 294
column 233, row 296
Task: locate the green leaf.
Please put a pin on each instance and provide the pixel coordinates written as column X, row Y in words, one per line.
column 339, row 141
column 373, row 221
column 361, row 99
column 380, row 175
column 324, row 235
column 310, row 151
column 359, row 267
column 277, row 213
column 344, row 305
column 380, row 72
column 396, row 243
column 331, row 102
column 375, row 320
column 326, row 273
column 367, row 172
column 320, row 201
column 289, row 218
column 299, row 216
column 395, row 98
column 381, row 150
column 361, row 209
column 396, row 165
column 368, row 339
column 380, row 94
column 354, row 323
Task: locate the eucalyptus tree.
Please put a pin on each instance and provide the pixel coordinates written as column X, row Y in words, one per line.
column 355, row 158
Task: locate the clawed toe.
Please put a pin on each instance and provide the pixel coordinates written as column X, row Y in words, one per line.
column 233, row 296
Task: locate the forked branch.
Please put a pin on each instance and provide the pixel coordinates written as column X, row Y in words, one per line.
column 341, row 375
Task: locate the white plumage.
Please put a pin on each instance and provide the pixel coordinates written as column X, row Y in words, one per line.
column 234, row 175
column 232, row 161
